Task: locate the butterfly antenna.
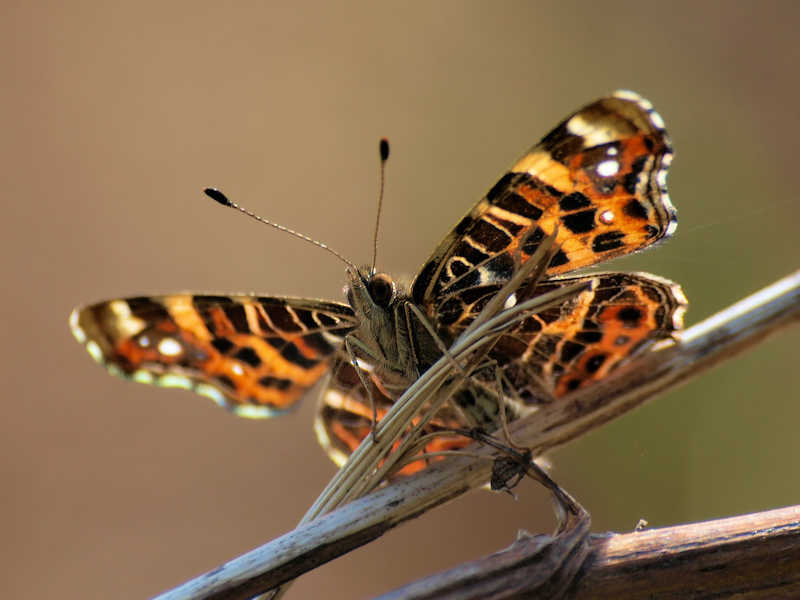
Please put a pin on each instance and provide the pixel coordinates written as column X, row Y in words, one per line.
column 223, row 199
column 383, row 148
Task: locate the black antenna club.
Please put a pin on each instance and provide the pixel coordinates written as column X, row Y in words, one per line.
column 223, row 199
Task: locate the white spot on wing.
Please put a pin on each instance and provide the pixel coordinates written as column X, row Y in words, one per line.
column 169, row 347
column 94, row 351
column 176, row 381
column 120, row 308
column 592, row 134
column 143, row 377
column 657, row 120
column 608, row 168
column 661, row 178
column 607, row 217
column 79, row 334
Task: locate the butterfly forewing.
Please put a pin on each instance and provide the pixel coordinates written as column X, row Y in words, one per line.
column 254, row 356
column 599, row 176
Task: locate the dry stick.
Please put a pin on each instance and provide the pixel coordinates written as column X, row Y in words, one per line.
column 702, row 347
column 748, row 557
column 751, row 556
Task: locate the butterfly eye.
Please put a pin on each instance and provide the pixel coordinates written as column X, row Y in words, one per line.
column 381, row 289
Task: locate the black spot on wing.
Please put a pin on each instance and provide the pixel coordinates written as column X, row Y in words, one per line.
column 283, row 319
column 560, row 258
column 580, row 222
column 631, row 316
column 635, row 210
column 533, row 240
column 293, row 355
column 460, row 267
column 574, row 201
column 222, row 344
column 573, row 384
column 248, row 356
column 589, row 337
column 489, row 236
column 569, row 350
column 516, row 204
column 146, row 307
column 277, row 383
column 237, row 317
column 594, row 362
column 605, row 242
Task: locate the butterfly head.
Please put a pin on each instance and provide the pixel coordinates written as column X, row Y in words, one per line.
column 370, row 292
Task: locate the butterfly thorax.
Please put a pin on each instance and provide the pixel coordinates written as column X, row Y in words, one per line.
column 389, row 336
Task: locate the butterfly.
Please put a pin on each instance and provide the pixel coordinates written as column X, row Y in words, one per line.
column 597, row 180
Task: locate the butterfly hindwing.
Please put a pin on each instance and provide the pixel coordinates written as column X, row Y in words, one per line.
column 344, row 417
column 561, row 349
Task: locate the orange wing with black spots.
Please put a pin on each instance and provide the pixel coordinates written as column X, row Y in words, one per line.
column 254, row 356
column 561, row 349
column 599, row 176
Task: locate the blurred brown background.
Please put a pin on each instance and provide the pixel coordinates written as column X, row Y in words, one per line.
column 114, row 116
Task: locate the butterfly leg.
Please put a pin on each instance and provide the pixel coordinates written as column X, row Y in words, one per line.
column 354, row 348
column 501, row 384
column 413, row 312
column 499, row 379
column 513, row 465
